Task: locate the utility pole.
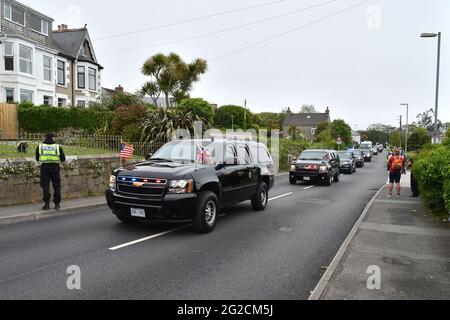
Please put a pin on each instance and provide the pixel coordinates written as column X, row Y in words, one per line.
column 401, row 130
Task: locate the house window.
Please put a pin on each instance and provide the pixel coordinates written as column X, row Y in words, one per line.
column 38, row 24
column 48, row 101
column 26, row 95
column 26, row 62
column 81, row 103
column 47, row 68
column 61, row 73
column 92, row 79
column 9, row 95
column 81, row 77
column 62, row 102
column 313, row 131
column 14, row 14
column 9, row 56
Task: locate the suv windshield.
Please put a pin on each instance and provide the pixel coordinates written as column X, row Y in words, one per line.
column 345, row 155
column 200, row 152
column 313, row 155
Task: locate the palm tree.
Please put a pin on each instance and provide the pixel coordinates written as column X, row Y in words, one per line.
column 171, row 76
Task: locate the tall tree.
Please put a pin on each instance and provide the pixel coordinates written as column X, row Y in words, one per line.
column 171, row 77
column 308, row 109
column 339, row 128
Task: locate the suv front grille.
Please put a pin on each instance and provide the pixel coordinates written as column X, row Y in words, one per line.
column 148, row 187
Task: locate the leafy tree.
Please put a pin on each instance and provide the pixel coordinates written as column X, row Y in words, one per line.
column 128, row 115
column 114, row 101
column 418, row 138
column 295, row 133
column 322, row 127
column 227, row 115
column 200, row 108
column 426, row 120
column 397, row 138
column 171, row 77
column 339, row 128
column 308, row 109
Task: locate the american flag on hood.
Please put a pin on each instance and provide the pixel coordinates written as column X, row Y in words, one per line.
column 126, row 151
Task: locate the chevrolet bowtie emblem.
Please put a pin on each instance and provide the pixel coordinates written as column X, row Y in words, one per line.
column 138, row 184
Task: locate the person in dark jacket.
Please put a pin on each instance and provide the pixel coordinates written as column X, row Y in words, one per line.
column 50, row 155
column 414, row 182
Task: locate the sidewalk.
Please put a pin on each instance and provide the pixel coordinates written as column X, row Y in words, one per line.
column 31, row 212
column 411, row 249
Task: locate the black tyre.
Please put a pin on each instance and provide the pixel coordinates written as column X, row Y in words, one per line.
column 329, row 180
column 292, row 181
column 206, row 212
column 261, row 198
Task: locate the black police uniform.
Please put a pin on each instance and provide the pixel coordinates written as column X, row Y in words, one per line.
column 51, row 172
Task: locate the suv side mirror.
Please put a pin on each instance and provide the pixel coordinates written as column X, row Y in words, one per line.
column 148, row 156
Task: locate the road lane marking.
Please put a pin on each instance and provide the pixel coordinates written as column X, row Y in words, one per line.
column 282, row 196
column 310, row 187
column 131, row 243
column 147, row 238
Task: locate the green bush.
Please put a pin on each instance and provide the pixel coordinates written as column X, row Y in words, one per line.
column 49, row 119
column 432, row 169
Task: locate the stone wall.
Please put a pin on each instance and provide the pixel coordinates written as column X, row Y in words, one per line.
column 81, row 177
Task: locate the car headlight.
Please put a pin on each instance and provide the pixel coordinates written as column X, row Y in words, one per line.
column 293, row 167
column 181, row 186
column 323, row 169
column 113, row 182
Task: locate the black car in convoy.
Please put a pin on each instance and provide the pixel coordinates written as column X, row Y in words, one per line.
column 359, row 156
column 316, row 166
column 191, row 180
column 348, row 162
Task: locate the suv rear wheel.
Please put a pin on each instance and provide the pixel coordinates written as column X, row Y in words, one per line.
column 259, row 201
column 329, row 180
column 206, row 212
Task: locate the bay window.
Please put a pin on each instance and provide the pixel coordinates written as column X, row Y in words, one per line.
column 26, row 59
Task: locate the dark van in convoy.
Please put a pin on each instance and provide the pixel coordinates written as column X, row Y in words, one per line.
column 316, row 166
column 191, row 180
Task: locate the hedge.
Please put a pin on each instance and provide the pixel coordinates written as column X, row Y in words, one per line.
column 49, row 119
column 432, row 170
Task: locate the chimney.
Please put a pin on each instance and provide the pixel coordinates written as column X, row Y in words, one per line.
column 119, row 89
column 327, row 111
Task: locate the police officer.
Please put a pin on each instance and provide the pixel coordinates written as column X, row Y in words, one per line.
column 50, row 154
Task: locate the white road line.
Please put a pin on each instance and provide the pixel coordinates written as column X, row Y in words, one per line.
column 147, row 238
column 282, row 196
column 128, row 244
column 310, row 187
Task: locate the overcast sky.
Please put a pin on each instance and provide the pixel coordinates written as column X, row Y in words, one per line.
column 362, row 62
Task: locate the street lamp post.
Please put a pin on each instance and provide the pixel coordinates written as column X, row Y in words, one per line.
column 407, row 126
column 434, row 35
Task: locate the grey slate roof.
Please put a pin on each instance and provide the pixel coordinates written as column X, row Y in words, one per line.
column 69, row 42
column 306, row 119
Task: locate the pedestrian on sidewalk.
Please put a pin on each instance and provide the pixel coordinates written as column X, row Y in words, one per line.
column 50, row 155
column 395, row 167
column 414, row 182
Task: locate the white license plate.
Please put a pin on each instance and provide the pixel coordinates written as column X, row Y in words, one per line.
column 306, row 178
column 139, row 213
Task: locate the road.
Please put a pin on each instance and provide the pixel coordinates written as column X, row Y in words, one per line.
column 277, row 254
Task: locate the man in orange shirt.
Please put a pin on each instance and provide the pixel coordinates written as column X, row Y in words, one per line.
column 395, row 167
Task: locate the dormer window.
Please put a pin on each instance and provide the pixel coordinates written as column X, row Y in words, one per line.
column 14, row 14
column 38, row 24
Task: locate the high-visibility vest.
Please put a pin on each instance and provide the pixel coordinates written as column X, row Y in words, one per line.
column 49, row 153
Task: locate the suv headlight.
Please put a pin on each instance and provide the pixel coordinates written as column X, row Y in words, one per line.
column 323, row 169
column 181, row 186
column 113, row 182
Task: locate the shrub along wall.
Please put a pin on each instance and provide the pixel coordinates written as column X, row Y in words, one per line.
column 432, row 169
column 81, row 177
column 49, row 119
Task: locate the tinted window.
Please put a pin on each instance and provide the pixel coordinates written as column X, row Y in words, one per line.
column 345, row 155
column 314, row 155
column 244, row 154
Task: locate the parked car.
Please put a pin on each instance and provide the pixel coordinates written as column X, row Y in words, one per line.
column 191, row 180
column 359, row 155
column 348, row 162
column 316, row 166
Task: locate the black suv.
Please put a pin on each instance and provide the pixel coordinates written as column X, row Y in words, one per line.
column 191, row 180
column 316, row 166
column 348, row 161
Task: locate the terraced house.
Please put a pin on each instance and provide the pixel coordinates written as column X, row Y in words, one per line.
column 42, row 65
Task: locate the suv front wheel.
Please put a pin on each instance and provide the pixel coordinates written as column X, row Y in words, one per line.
column 206, row 212
column 259, row 201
